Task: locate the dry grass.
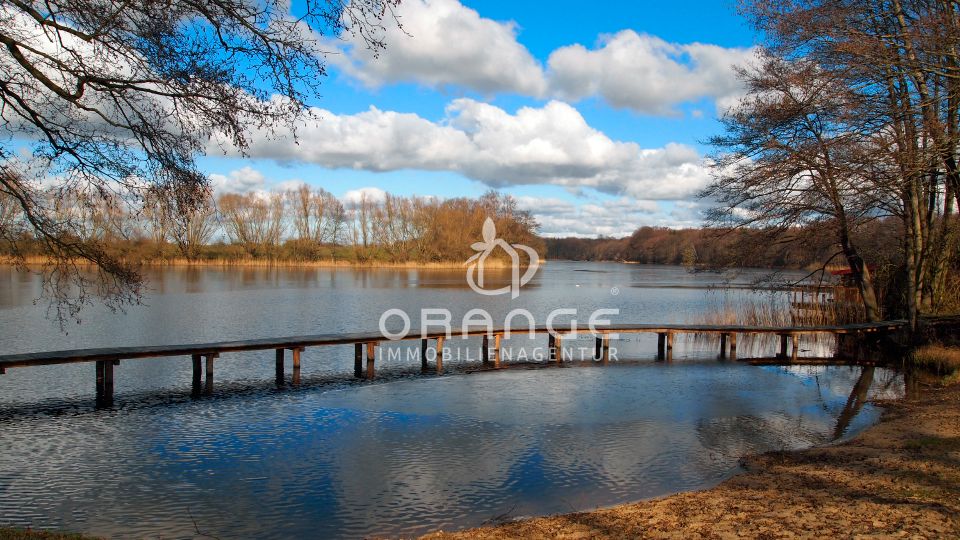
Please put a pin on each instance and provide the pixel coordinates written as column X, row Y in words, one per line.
column 938, row 358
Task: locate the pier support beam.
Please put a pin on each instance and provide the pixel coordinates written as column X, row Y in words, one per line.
column 661, row 346
column 496, row 350
column 439, row 355
column 598, row 348
column 371, row 359
column 104, row 383
column 358, row 360
column 783, row 346
column 605, row 355
column 558, row 348
column 208, row 380
column 485, row 349
column 279, row 367
column 552, row 346
column 795, row 349
column 424, row 347
column 723, row 345
column 296, row 364
column 733, row 346
column 669, row 346
column 197, row 388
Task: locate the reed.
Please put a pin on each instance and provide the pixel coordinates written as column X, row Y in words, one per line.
column 800, row 308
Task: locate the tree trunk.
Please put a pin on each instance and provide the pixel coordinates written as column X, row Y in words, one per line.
column 861, row 276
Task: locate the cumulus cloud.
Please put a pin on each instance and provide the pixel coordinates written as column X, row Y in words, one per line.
column 552, row 145
column 371, row 194
column 443, row 43
column 611, row 217
column 243, row 180
column 645, row 73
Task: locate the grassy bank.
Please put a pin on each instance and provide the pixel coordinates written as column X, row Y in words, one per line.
column 899, row 478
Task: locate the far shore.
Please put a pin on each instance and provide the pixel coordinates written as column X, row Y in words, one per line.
column 286, row 263
column 898, row 478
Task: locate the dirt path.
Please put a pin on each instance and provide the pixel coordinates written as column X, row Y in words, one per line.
column 898, row 479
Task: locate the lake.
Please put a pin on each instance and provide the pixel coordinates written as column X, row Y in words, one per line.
column 404, row 454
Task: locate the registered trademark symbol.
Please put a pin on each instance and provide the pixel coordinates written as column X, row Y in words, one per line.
column 614, row 291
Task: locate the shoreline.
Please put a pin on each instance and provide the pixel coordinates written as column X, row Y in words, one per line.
column 277, row 263
column 897, row 478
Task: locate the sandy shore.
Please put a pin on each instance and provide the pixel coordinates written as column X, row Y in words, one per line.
column 897, row 479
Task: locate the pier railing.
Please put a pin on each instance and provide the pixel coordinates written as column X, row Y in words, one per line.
column 204, row 354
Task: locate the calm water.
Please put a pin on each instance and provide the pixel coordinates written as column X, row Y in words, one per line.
column 405, row 454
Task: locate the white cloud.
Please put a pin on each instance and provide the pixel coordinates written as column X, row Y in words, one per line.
column 552, row 145
column 646, row 73
column 243, row 180
column 446, row 44
column 610, row 217
column 372, row 194
column 443, row 43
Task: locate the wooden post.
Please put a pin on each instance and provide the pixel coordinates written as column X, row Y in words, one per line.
column 104, row 382
column 796, row 347
column 371, row 358
column 496, row 350
column 439, row 355
column 101, row 389
column 485, row 349
column 552, row 345
column 723, row 345
column 358, row 360
column 661, row 346
column 733, row 346
column 558, row 348
column 208, row 387
column 296, row 364
column 783, row 346
column 598, row 349
column 606, row 349
column 279, row 368
column 669, row 346
column 424, row 347
column 197, row 375
column 108, row 381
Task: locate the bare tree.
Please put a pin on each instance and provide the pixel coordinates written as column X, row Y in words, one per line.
column 789, row 158
column 118, row 95
column 336, row 219
column 188, row 224
column 892, row 101
column 253, row 221
column 312, row 211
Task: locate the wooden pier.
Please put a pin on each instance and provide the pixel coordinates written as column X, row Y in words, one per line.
column 204, row 355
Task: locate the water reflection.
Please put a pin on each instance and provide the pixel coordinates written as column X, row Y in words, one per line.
column 413, row 455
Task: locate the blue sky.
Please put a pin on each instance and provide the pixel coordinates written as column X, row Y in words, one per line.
column 592, row 118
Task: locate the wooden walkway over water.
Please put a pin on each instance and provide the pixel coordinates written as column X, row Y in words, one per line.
column 204, row 354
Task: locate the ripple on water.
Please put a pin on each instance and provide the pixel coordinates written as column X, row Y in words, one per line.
column 413, row 455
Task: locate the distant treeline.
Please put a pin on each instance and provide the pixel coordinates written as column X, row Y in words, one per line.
column 299, row 225
column 801, row 248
